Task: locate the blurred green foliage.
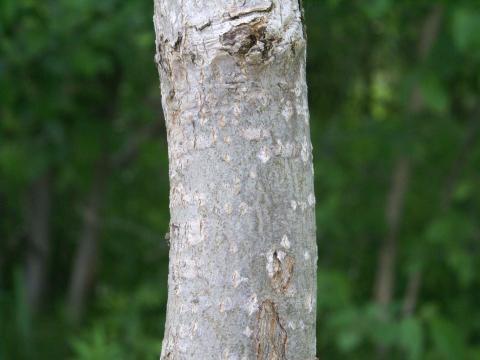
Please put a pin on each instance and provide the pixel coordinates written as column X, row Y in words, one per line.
column 78, row 85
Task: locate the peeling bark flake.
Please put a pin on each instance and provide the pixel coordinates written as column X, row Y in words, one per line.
column 236, row 14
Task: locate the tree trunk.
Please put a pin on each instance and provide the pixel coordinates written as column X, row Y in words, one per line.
column 37, row 255
column 86, row 257
column 454, row 175
column 393, row 214
column 385, row 276
column 384, row 283
column 242, row 280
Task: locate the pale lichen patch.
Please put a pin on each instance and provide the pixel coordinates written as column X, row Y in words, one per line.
column 179, row 195
column 243, row 208
column 309, row 302
column 237, row 186
column 254, row 134
column 305, row 152
column 236, row 110
column 237, row 279
column 285, row 242
column 264, row 154
column 227, row 158
column 190, row 269
column 195, row 232
column 287, row 150
column 302, row 205
column 201, row 142
column 233, row 248
column 228, row 208
column 200, row 199
column 188, row 331
column 222, row 122
column 226, row 305
column 293, row 205
column 252, row 304
column 248, row 332
column 227, row 355
column 291, row 291
column 287, row 111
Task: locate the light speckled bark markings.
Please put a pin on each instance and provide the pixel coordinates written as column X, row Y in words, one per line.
column 242, row 278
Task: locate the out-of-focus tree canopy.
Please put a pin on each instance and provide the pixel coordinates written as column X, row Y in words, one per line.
column 394, row 91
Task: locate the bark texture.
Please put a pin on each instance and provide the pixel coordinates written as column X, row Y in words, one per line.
column 242, row 279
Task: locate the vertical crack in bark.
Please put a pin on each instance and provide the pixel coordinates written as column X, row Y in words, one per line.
column 178, row 42
column 271, row 337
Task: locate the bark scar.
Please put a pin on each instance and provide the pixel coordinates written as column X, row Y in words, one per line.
column 280, row 268
column 271, row 336
column 249, row 40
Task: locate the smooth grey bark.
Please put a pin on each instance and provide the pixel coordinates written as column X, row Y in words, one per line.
column 242, row 278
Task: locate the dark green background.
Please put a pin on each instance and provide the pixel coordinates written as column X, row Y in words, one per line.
column 80, row 107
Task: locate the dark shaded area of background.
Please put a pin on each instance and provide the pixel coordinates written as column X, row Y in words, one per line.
column 395, row 113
